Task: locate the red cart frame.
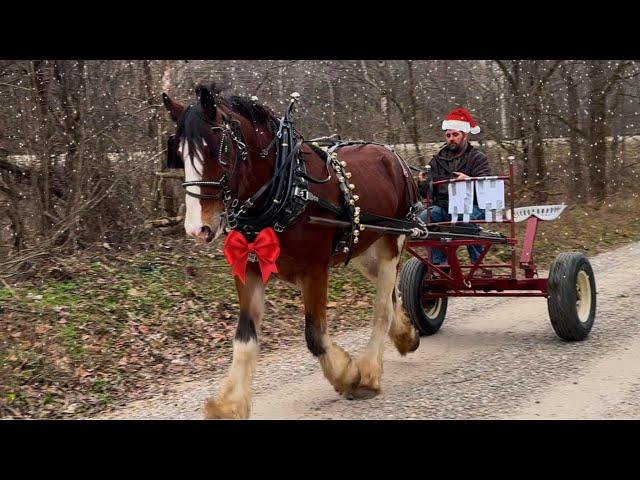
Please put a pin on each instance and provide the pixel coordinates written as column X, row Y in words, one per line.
column 454, row 282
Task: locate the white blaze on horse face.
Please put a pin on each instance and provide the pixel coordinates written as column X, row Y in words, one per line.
column 199, row 213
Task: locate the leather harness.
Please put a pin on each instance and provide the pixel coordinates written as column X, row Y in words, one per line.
column 287, row 192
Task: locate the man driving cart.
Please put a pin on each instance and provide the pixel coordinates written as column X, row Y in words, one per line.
column 458, row 159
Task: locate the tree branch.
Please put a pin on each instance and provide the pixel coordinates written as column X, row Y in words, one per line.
column 567, row 123
column 614, row 78
column 507, row 74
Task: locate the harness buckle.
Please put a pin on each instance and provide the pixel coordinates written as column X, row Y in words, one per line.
column 278, row 228
column 303, row 193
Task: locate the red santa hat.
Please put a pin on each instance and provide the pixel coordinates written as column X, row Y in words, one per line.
column 460, row 119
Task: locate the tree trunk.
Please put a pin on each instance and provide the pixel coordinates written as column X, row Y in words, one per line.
column 537, row 151
column 597, row 131
column 40, row 80
column 415, row 134
column 73, row 130
column 520, row 107
column 149, row 91
column 332, row 109
column 8, row 187
column 615, row 163
column 575, row 165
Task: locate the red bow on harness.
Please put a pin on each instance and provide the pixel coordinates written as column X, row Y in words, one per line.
column 265, row 247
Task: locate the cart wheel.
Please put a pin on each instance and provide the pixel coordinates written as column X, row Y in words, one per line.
column 427, row 316
column 572, row 296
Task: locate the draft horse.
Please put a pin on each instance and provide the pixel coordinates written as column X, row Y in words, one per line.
column 229, row 149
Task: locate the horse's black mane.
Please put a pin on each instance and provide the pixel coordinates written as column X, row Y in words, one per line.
column 258, row 114
column 250, row 109
column 194, row 126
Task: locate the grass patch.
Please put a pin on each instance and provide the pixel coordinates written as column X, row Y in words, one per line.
column 5, row 293
column 70, row 337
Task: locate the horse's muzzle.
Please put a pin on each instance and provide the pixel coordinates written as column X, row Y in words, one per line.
column 205, row 235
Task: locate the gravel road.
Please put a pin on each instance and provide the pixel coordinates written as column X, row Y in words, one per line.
column 494, row 358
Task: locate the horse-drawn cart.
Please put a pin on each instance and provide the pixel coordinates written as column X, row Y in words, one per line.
column 425, row 287
column 270, row 191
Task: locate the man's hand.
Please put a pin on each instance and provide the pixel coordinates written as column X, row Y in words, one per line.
column 461, row 176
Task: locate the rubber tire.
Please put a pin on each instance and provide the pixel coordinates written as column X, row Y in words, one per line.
column 411, row 278
column 562, row 292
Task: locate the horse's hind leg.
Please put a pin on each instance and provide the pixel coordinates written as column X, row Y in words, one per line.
column 234, row 399
column 337, row 365
column 402, row 332
column 380, row 264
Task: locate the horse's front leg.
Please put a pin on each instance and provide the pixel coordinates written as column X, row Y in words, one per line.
column 234, row 399
column 337, row 365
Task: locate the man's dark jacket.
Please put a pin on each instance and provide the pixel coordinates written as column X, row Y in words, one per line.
column 471, row 162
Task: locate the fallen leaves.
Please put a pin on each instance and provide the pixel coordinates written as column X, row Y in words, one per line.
column 81, row 373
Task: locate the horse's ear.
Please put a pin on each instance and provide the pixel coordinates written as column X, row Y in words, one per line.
column 175, row 108
column 207, row 102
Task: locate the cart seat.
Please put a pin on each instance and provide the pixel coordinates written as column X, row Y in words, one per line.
column 543, row 212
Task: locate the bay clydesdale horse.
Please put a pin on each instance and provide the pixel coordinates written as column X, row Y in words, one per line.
column 209, row 134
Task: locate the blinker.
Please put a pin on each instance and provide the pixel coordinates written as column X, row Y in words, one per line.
column 173, row 161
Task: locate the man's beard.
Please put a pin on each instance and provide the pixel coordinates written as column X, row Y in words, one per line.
column 457, row 147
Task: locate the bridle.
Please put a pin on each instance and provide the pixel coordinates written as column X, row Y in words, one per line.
column 223, row 182
column 286, row 191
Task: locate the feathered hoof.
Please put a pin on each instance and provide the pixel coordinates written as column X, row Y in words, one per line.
column 407, row 342
column 369, row 385
column 362, row 393
column 217, row 409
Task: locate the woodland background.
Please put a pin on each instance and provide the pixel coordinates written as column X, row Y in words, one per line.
column 83, row 141
column 102, row 298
